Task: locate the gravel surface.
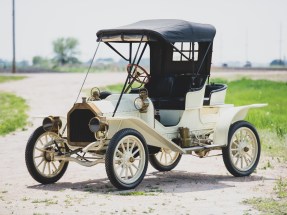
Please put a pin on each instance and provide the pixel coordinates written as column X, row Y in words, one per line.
column 195, row 186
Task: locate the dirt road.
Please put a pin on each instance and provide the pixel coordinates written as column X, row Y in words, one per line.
column 196, row 186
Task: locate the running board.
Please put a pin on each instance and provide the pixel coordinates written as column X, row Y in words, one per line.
column 81, row 162
column 198, row 148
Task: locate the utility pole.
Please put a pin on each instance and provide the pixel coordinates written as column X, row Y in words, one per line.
column 13, row 18
column 280, row 42
column 246, row 45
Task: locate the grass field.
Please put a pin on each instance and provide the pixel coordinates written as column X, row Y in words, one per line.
column 12, row 109
column 10, row 78
column 273, row 117
column 271, row 120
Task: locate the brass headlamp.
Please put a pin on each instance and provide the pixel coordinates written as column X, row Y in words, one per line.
column 52, row 123
column 99, row 126
column 141, row 103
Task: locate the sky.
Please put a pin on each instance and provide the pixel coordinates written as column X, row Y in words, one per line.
column 246, row 29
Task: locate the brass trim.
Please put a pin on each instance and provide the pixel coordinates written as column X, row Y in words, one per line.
column 88, row 106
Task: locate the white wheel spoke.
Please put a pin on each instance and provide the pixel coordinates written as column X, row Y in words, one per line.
column 161, row 155
column 237, row 138
column 249, row 155
column 118, row 161
column 39, row 156
column 126, row 173
column 170, row 156
column 120, row 165
column 40, row 162
column 135, row 166
column 128, row 141
column 49, row 168
column 118, row 151
column 237, row 154
column 123, row 147
column 133, row 145
column 241, row 162
column 131, row 171
column 136, row 151
column 44, row 167
column 41, row 150
column 54, row 166
column 240, row 134
column 122, row 171
column 246, row 161
column 237, row 161
column 165, row 158
column 41, row 142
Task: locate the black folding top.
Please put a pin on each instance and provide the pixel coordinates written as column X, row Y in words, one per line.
column 170, row 30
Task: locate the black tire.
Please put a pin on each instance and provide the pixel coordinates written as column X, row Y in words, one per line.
column 159, row 166
column 30, row 160
column 228, row 151
column 112, row 151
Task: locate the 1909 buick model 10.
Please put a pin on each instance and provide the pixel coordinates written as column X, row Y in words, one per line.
column 174, row 110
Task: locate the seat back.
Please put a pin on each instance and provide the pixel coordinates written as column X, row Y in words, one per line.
column 160, row 87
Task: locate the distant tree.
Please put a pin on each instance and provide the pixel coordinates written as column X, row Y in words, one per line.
column 37, row 60
column 40, row 61
column 66, row 50
column 277, row 62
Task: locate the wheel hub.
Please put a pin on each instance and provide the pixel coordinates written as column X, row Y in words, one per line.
column 128, row 159
column 242, row 148
column 49, row 155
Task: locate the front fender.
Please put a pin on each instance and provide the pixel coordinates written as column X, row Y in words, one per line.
column 151, row 136
column 228, row 116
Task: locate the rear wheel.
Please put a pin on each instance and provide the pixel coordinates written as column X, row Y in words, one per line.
column 242, row 153
column 39, row 157
column 164, row 160
column 126, row 159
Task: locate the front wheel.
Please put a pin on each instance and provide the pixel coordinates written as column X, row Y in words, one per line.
column 242, row 153
column 39, row 157
column 126, row 159
column 164, row 160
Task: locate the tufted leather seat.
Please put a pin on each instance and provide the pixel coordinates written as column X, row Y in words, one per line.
column 167, row 93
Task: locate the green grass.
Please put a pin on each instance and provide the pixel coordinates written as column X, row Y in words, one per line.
column 134, row 193
column 281, row 188
column 271, row 120
column 150, row 192
column 276, row 205
column 115, row 88
column 47, row 202
column 10, row 78
column 268, row 205
column 12, row 113
column 12, row 109
column 273, row 117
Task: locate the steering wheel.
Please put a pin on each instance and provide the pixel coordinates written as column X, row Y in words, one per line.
column 140, row 75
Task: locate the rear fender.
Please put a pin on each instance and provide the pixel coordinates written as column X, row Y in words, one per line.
column 228, row 116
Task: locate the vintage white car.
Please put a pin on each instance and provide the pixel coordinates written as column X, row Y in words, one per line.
column 173, row 110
